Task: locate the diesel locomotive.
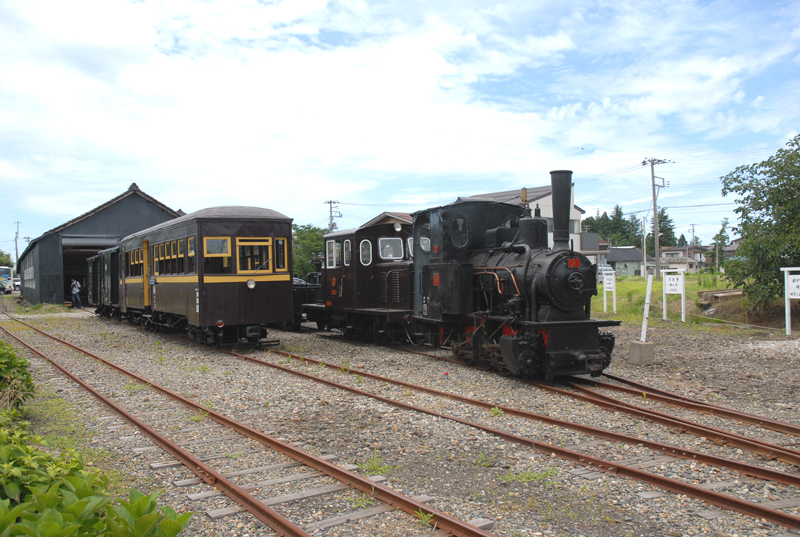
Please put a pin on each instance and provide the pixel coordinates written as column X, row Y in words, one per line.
column 477, row 276
column 221, row 274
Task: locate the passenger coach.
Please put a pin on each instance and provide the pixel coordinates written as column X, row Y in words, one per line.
column 222, row 274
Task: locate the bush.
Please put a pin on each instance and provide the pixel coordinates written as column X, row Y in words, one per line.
column 16, row 384
column 43, row 494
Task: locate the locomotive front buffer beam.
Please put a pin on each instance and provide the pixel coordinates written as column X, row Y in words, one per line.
column 544, row 352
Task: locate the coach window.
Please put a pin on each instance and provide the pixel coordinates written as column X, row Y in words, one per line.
column 390, row 248
column 216, row 258
column 281, row 260
column 181, row 252
column 459, row 232
column 154, row 258
column 347, row 252
column 190, row 253
column 366, row 252
column 254, row 254
column 174, row 257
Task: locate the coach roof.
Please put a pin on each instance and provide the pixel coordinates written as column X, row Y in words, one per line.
column 218, row 213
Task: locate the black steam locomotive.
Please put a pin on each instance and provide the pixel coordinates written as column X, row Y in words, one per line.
column 476, row 276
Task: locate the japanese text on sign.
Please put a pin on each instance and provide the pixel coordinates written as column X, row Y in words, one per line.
column 793, row 289
column 673, row 284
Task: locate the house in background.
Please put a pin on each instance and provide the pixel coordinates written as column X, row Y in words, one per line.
column 627, row 260
column 689, row 258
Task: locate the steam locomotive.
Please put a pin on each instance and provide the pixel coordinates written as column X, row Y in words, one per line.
column 476, row 276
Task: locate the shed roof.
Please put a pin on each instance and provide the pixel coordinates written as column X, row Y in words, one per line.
column 132, row 190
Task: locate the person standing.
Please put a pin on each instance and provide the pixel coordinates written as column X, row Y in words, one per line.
column 76, row 297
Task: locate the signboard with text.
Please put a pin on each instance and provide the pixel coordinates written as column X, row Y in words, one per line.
column 791, row 284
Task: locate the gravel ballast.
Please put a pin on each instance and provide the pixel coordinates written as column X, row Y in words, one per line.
column 470, row 474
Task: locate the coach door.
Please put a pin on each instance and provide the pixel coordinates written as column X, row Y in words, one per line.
column 334, row 274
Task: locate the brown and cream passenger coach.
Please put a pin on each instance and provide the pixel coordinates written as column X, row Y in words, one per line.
column 221, row 274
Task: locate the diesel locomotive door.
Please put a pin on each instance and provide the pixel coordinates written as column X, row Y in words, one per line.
column 339, row 282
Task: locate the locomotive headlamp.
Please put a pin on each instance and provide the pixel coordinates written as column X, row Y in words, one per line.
column 220, row 323
column 251, row 284
column 397, row 227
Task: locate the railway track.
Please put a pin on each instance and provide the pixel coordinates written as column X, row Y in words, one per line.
column 748, row 469
column 598, row 452
column 273, row 462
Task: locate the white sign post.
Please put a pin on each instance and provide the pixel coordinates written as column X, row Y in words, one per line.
column 675, row 284
column 610, row 286
column 791, row 286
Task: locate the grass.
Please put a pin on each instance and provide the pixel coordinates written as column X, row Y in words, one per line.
column 62, row 426
column 375, row 466
column 631, row 292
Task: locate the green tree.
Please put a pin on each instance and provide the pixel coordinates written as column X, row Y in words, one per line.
column 616, row 228
column 719, row 242
column 682, row 241
column 307, row 246
column 667, row 230
column 768, row 195
column 5, row 259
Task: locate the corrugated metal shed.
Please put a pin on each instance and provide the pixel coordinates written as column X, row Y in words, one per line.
column 49, row 262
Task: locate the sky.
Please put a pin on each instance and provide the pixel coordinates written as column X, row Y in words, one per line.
column 387, row 105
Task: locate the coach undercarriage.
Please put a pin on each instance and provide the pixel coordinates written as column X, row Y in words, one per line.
column 217, row 336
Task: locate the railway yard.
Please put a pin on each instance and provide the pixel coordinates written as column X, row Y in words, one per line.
column 521, row 459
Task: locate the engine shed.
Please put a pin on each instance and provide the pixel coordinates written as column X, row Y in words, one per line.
column 51, row 261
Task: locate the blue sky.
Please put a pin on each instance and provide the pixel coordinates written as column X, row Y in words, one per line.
column 387, row 106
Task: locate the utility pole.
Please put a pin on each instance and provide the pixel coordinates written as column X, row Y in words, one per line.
column 653, row 162
column 692, row 226
column 16, row 250
column 644, row 246
column 334, row 214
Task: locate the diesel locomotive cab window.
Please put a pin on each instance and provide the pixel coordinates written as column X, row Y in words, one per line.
column 216, row 258
column 366, row 252
column 347, row 252
column 410, row 246
column 254, row 254
column 390, row 248
column 333, row 254
column 459, row 232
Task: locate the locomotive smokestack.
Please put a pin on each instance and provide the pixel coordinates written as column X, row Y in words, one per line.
column 561, row 183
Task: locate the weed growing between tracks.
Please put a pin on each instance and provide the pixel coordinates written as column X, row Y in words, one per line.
column 60, row 424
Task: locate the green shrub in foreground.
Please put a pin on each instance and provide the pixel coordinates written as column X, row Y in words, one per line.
column 53, row 496
column 16, row 384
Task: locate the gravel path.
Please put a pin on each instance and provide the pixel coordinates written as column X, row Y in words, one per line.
column 470, row 474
